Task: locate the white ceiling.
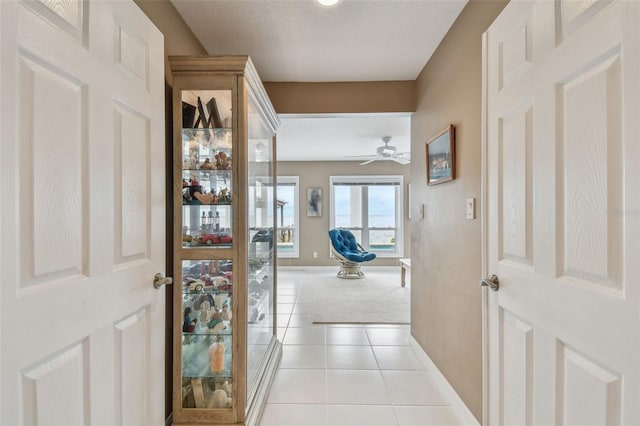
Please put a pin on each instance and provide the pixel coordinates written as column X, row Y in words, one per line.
column 300, row 41
column 297, row 40
column 333, row 138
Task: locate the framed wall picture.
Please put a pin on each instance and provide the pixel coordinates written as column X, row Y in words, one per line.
column 441, row 159
column 314, row 202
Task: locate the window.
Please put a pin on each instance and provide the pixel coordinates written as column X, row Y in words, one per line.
column 287, row 216
column 371, row 208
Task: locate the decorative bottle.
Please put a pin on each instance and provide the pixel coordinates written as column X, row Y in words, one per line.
column 216, row 353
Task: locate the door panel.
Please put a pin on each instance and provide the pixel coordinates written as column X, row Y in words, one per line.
column 51, row 212
column 132, row 352
column 517, row 377
column 571, row 15
column 55, row 391
column 515, row 50
column 68, row 16
column 589, row 142
column 82, row 206
column 562, row 110
column 132, row 184
column 130, row 55
column 516, row 190
column 579, row 376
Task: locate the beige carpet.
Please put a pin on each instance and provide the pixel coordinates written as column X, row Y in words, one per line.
column 378, row 298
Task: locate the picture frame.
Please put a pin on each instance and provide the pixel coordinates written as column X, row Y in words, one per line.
column 440, row 157
column 214, row 114
column 314, row 202
column 202, row 117
column 188, row 115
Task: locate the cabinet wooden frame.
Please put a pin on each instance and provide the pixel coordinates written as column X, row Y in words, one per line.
column 237, row 75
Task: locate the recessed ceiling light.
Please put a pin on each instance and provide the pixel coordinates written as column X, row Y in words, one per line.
column 328, row 3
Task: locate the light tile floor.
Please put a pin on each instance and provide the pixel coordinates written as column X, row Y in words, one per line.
column 348, row 375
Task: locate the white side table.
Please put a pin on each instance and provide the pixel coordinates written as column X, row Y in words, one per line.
column 405, row 265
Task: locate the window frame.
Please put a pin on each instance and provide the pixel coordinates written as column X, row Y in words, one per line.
column 371, row 180
column 295, row 182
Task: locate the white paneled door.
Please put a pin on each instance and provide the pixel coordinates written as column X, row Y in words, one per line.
column 82, row 214
column 562, row 213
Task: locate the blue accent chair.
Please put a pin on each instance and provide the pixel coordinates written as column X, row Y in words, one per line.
column 351, row 254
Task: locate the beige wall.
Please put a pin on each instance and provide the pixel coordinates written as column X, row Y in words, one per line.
column 314, row 230
column 178, row 38
column 446, row 247
column 343, row 97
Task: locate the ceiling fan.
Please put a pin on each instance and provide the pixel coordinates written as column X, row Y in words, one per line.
column 385, row 152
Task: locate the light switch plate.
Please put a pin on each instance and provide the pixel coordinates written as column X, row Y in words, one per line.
column 471, row 208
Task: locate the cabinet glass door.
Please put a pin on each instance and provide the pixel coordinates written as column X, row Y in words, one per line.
column 207, row 285
column 207, row 357
column 261, row 210
column 207, row 188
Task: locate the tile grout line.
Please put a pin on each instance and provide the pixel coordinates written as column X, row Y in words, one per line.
column 302, row 320
column 386, row 387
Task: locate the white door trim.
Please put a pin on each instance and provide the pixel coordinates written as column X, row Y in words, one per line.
column 483, row 235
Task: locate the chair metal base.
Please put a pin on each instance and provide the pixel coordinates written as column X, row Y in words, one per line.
column 350, row 271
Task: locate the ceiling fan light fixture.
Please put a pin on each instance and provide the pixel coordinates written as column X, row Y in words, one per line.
column 385, row 152
column 328, row 3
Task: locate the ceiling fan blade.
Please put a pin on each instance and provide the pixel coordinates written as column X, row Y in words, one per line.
column 401, row 160
column 362, row 156
column 369, row 161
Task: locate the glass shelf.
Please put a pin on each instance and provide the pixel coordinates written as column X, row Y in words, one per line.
column 222, row 333
column 207, row 226
column 206, row 291
column 214, row 130
column 214, row 173
column 195, row 202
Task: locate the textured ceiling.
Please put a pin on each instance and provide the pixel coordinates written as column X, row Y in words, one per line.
column 297, row 40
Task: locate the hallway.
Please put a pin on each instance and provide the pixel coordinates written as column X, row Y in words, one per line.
column 348, row 375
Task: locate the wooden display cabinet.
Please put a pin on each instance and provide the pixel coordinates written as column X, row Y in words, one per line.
column 225, row 346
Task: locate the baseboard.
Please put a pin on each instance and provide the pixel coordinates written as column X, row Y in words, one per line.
column 456, row 402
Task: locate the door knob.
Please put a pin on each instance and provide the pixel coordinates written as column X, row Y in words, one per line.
column 159, row 280
column 491, row 282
